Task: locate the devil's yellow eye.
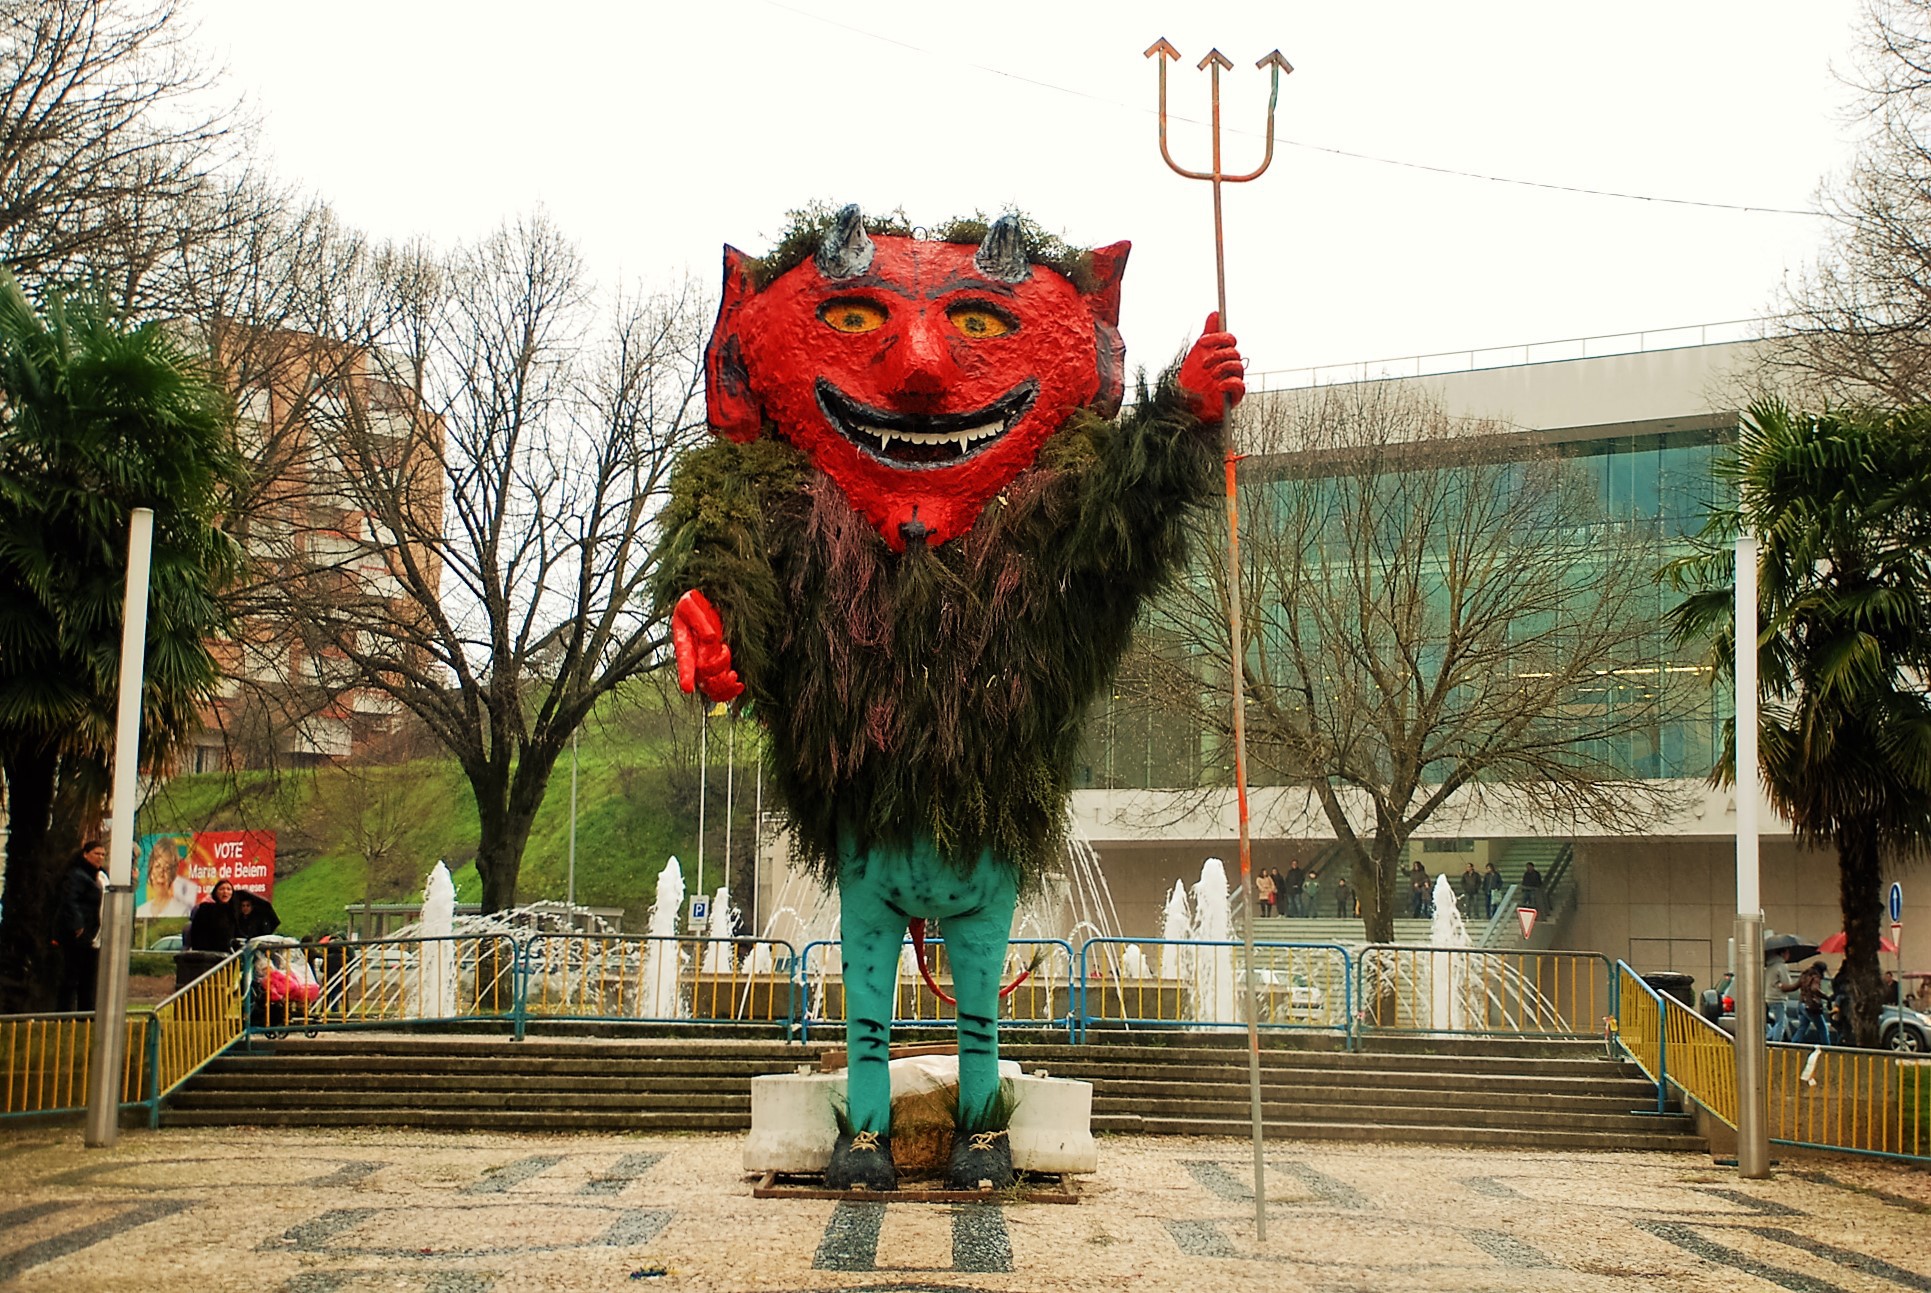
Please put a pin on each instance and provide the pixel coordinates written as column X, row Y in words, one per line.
column 853, row 316
column 978, row 321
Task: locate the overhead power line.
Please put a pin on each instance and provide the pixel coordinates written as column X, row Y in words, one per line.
column 1351, row 154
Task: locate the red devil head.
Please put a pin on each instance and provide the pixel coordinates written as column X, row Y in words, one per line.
column 921, row 377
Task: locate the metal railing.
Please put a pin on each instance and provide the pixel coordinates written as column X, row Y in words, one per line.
column 307, row 987
column 1854, row 1101
column 657, row 979
column 44, row 1062
column 1820, row 1097
column 1046, row 998
column 1411, row 988
column 1533, row 352
column 192, row 1026
column 1182, row 983
column 1675, row 1047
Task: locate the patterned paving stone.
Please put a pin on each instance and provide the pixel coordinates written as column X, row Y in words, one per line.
column 364, row 1211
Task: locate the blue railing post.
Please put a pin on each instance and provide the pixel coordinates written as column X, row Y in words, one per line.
column 1662, row 1055
column 519, row 988
column 154, row 1071
column 1347, row 999
column 1080, row 1036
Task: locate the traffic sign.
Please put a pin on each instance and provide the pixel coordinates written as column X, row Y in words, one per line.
column 1526, row 916
column 1897, row 903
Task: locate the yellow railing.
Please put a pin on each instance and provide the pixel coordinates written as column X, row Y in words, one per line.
column 1867, row 1102
column 296, row 987
column 1432, row 989
column 609, row 976
column 196, row 1024
column 1873, row 1102
column 1161, row 982
column 44, row 1062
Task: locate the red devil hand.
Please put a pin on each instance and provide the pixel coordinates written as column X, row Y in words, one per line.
column 1211, row 370
column 703, row 657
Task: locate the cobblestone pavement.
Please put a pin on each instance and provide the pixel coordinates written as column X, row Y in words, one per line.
column 355, row 1211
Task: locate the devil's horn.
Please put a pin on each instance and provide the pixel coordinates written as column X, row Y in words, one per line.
column 845, row 251
column 1003, row 253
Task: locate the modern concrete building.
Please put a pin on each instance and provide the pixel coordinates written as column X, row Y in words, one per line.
column 1646, row 425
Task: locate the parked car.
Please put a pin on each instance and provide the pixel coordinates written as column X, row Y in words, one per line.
column 1899, row 1028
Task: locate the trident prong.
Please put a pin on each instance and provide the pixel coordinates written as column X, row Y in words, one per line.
column 1213, row 63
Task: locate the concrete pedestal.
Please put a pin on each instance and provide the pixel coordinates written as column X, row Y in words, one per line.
column 793, row 1128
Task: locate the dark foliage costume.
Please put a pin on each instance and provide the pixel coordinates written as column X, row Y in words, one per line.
column 919, row 547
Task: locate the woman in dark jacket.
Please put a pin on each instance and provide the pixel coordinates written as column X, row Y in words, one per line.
column 211, row 926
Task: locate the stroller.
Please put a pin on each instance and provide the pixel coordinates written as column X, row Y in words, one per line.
column 282, row 987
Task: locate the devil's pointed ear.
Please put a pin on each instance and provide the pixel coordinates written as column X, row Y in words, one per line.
column 729, row 405
column 1106, row 266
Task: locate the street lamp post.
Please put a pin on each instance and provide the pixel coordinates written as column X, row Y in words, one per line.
column 1753, row 1137
column 107, row 1051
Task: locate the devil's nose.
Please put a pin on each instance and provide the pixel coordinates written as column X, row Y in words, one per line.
column 920, row 364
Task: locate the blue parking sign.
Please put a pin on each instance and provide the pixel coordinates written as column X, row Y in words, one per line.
column 1897, row 903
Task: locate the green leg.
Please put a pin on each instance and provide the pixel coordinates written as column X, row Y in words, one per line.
column 871, row 933
column 975, row 945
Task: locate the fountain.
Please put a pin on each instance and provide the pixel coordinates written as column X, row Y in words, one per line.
column 1213, row 999
column 1447, row 971
column 661, row 998
column 718, row 955
column 432, row 992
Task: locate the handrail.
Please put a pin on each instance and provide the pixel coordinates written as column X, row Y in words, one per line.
column 192, row 1026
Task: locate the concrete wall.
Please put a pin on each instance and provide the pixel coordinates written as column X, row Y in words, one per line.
column 1671, row 904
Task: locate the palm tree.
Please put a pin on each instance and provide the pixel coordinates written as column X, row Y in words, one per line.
column 1837, row 500
column 97, row 416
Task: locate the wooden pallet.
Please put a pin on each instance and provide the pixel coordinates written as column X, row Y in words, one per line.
column 768, row 1187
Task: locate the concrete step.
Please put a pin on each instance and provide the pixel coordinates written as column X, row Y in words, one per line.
column 1582, row 1099
column 1534, row 1091
column 403, row 1115
column 448, row 1100
column 1674, row 1136
column 1234, row 1107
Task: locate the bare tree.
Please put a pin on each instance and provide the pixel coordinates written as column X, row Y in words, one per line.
column 498, row 462
column 105, row 114
column 1439, row 615
column 1860, row 317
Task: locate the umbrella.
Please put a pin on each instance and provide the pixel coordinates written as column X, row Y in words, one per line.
column 1788, row 946
column 1835, row 944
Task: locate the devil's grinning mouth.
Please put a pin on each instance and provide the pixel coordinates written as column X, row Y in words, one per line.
column 911, row 440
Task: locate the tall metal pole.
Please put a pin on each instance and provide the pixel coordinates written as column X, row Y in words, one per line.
column 1753, row 1115
column 570, row 890
column 1214, row 62
column 107, row 1055
column 703, row 785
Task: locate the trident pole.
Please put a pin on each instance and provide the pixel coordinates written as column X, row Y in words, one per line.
column 1753, row 1134
column 107, row 1050
column 1214, row 63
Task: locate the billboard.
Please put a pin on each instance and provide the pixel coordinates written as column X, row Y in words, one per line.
column 176, row 871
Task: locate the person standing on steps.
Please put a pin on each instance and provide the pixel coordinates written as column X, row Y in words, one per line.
column 77, row 926
column 1471, row 891
column 1532, row 887
column 1492, row 886
column 1296, row 885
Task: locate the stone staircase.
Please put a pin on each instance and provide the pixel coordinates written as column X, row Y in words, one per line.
column 1542, row 1094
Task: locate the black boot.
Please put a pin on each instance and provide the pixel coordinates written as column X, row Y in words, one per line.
column 862, row 1161
column 979, row 1157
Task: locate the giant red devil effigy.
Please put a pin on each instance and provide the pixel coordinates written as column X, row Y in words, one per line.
column 917, row 546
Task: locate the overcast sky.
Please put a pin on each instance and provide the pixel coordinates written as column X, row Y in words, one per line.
column 655, row 132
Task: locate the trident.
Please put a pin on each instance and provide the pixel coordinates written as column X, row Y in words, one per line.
column 1213, row 63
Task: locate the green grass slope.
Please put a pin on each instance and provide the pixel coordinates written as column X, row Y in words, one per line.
column 344, row 835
